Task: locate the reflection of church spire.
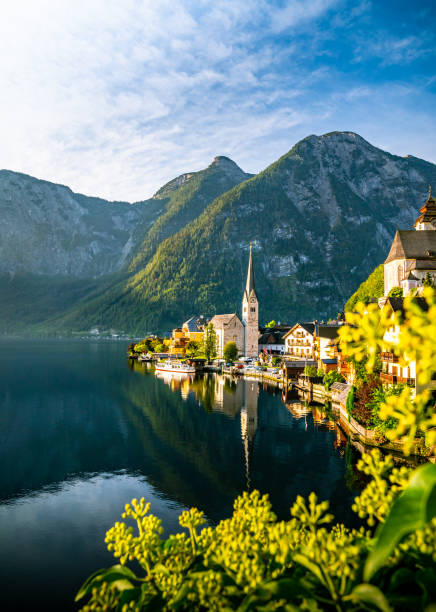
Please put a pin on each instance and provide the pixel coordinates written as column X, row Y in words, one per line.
column 249, row 423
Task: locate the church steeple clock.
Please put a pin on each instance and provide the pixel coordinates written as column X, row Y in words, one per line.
column 250, row 312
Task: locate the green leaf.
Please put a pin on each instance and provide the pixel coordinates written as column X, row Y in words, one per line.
column 129, row 595
column 284, row 588
column 312, row 567
column 370, row 594
column 116, row 573
column 412, row 510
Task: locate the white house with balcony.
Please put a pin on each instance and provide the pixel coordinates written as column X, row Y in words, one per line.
column 300, row 341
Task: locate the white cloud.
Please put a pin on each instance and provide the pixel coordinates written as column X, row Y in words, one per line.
column 114, row 98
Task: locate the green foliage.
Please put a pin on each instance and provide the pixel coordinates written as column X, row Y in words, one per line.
column 251, row 561
column 412, row 511
column 379, row 397
column 193, row 348
column 428, row 280
column 149, row 345
column 276, row 360
column 332, row 377
column 373, row 287
column 310, row 370
column 349, row 404
column 271, row 324
column 230, row 351
column 210, row 342
column 396, row 292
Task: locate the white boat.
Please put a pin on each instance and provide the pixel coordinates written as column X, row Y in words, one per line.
column 175, row 366
column 144, row 357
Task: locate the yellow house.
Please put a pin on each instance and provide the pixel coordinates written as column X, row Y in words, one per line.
column 191, row 330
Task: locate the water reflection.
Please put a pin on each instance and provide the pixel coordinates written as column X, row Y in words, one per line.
column 81, row 434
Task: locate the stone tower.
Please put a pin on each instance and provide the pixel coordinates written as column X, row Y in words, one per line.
column 250, row 313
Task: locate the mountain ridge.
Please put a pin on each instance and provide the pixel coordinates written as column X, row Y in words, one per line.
column 321, row 218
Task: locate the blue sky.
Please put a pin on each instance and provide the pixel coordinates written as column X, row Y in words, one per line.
column 116, row 97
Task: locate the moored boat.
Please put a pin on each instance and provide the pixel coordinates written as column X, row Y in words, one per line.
column 175, row 366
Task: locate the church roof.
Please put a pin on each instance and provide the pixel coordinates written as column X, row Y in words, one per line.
column 224, row 319
column 410, row 244
column 250, row 286
column 397, row 304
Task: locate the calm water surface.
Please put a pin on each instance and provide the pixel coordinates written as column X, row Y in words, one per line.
column 82, row 432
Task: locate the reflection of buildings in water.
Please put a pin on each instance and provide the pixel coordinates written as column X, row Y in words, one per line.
column 321, row 421
column 341, row 441
column 249, row 422
column 228, row 396
column 297, row 408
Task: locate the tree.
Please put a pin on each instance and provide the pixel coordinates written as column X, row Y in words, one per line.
column 209, row 342
column 332, row 377
column 230, row 351
column 428, row 280
column 395, row 292
column 192, row 348
column 271, row 324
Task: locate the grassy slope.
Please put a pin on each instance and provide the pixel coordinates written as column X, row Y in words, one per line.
column 372, row 287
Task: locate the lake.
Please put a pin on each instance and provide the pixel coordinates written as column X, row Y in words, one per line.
column 83, row 431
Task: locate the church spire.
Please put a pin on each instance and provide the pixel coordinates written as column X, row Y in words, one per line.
column 250, row 286
column 427, row 218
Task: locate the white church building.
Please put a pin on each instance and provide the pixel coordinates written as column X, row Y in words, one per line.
column 245, row 333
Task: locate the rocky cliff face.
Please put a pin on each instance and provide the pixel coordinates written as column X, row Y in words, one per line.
column 320, row 219
column 47, row 229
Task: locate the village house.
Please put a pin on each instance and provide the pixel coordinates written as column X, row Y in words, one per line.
column 325, row 335
column 412, row 257
column 300, row 341
column 191, row 330
column 271, row 340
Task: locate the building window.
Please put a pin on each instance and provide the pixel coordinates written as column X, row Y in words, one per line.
column 253, row 309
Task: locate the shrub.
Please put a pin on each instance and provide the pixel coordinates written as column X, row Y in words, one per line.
column 310, row 371
column 332, row 377
column 396, row 292
column 230, row 351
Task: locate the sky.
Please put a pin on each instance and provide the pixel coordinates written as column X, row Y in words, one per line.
column 116, row 97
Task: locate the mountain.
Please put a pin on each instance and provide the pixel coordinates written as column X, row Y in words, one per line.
column 58, row 248
column 321, row 219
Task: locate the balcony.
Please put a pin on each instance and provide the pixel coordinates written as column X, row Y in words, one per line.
column 393, row 379
column 389, row 357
